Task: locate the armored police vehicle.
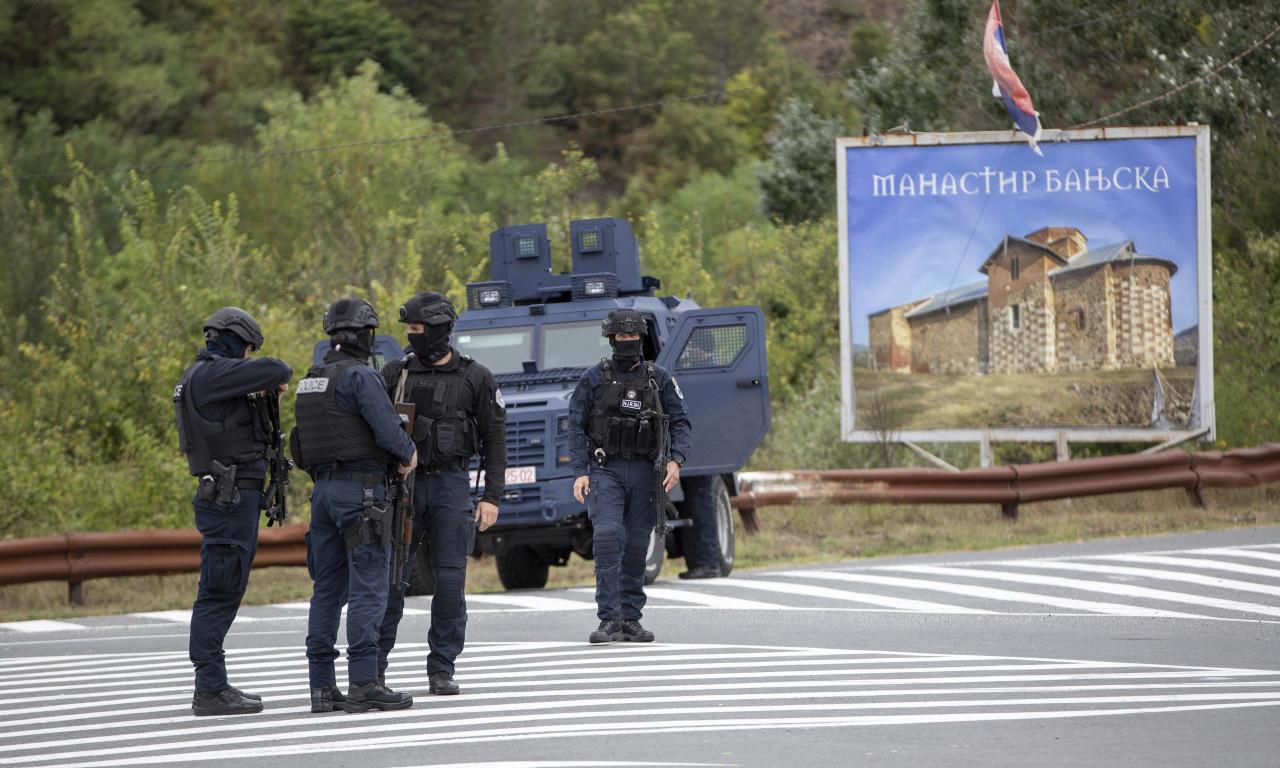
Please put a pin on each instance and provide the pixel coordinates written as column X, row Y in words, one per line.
column 538, row 331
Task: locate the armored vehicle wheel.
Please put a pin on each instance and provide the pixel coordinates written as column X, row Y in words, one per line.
column 724, row 524
column 653, row 558
column 421, row 580
column 521, row 568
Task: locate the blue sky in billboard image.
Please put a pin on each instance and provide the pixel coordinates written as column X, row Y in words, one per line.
column 961, row 200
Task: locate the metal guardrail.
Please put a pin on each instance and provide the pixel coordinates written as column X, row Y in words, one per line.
column 1015, row 484
column 76, row 557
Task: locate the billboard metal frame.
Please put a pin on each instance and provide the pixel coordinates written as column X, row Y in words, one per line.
column 1049, row 433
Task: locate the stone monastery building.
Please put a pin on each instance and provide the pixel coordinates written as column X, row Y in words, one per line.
column 1047, row 304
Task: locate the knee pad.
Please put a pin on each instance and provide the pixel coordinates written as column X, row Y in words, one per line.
column 607, row 541
column 446, row 602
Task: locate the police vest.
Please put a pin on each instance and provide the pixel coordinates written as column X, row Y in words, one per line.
column 624, row 419
column 326, row 433
column 442, row 428
column 239, row 438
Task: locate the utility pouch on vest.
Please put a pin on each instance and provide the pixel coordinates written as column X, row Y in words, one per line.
column 627, row 438
column 644, row 437
column 446, row 439
column 222, row 484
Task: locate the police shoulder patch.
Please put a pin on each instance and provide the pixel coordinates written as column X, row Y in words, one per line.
column 677, row 386
column 497, row 398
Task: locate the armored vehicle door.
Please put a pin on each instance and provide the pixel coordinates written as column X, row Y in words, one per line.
column 718, row 359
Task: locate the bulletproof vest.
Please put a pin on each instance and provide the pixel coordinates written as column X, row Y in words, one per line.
column 624, row 419
column 241, row 437
column 325, row 432
column 442, row 428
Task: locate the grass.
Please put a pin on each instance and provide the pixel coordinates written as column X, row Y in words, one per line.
column 1069, row 398
column 789, row 535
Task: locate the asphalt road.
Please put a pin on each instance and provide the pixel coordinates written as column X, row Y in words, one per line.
column 1158, row 651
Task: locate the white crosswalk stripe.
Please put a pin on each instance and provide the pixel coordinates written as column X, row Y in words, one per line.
column 542, row 690
column 1224, row 583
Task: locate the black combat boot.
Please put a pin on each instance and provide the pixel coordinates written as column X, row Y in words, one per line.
column 630, row 629
column 374, row 695
column 603, row 633
column 238, row 692
column 702, row 572
column 442, row 684
column 226, row 702
column 330, row 699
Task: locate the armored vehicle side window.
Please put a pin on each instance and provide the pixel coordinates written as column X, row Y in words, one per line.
column 709, row 347
column 572, row 345
column 501, row 350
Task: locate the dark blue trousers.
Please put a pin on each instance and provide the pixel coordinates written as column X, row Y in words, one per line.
column 230, row 540
column 445, row 520
column 621, row 504
column 700, row 503
column 356, row 577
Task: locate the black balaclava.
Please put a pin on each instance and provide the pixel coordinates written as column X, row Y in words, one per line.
column 432, row 345
column 627, row 353
column 227, row 344
column 358, row 344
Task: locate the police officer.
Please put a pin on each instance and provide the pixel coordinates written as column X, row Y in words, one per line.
column 614, row 429
column 459, row 412
column 700, row 503
column 224, row 433
column 347, row 434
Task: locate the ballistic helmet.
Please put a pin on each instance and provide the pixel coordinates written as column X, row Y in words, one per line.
column 235, row 321
column 623, row 321
column 429, row 308
column 349, row 315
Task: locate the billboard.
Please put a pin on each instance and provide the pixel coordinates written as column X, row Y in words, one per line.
column 989, row 293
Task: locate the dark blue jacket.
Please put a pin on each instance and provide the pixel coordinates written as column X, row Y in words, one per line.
column 584, row 398
column 220, row 384
column 361, row 391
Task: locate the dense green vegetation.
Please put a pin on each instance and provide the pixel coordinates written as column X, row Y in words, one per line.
column 162, row 158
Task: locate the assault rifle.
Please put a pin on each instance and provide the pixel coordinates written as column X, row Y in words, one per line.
column 666, row 510
column 400, row 491
column 275, row 499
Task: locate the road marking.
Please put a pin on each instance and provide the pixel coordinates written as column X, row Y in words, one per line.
column 1147, row 573
column 1103, row 587
column 704, row 598
column 990, row 593
column 530, row 602
column 41, row 625
column 1193, row 562
column 896, row 603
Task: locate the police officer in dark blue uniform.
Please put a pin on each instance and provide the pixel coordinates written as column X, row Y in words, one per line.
column 348, row 433
column 224, row 433
column 614, row 431
column 459, row 412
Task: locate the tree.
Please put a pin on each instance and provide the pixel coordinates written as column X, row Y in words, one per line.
column 798, row 184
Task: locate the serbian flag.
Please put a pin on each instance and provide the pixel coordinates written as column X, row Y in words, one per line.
column 1007, row 85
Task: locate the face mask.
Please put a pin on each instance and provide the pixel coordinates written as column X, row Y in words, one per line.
column 627, row 353
column 432, row 345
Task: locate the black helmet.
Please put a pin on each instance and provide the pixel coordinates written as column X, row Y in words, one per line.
column 429, row 308
column 623, row 321
column 235, row 321
column 349, row 315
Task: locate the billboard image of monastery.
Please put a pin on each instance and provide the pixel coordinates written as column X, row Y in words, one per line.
column 1047, row 302
column 990, row 292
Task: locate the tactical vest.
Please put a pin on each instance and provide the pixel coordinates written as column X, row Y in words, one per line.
column 326, row 433
column 443, row 430
column 241, row 437
column 624, row 419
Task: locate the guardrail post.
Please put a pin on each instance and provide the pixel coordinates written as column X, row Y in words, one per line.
column 75, row 593
column 1009, row 510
